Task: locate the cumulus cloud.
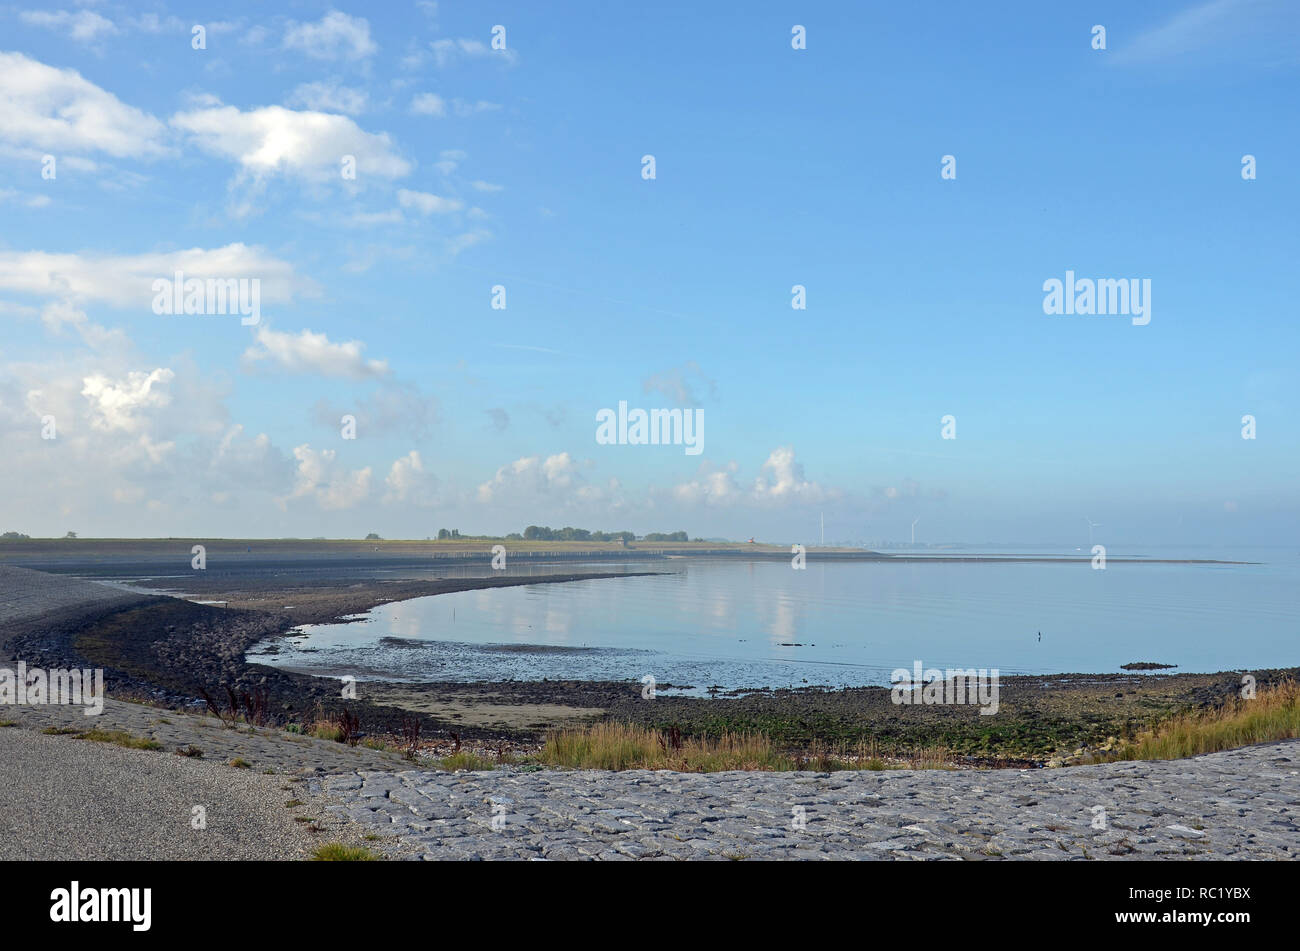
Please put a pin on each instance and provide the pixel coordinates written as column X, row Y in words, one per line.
column 45, row 108
column 711, row 486
column 308, row 352
column 274, row 140
column 322, row 479
column 531, row 475
column 115, row 404
column 408, row 482
column 128, row 433
column 334, row 36
column 780, row 483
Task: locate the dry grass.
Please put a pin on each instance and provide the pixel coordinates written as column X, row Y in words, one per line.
column 336, row 852
column 466, row 759
column 617, row 746
column 325, row 730
column 1274, row 714
column 121, row 738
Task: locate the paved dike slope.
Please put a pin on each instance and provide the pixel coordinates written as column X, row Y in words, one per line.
column 1242, row 804
column 29, row 598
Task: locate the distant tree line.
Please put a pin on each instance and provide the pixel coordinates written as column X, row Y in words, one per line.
column 544, row 533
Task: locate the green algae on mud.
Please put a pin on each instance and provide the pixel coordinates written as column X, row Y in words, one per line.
column 1040, row 718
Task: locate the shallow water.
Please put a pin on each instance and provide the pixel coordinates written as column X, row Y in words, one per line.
column 763, row 624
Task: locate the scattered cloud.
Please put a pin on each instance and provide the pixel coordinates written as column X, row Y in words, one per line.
column 780, row 483
column 329, row 96
column 428, row 104
column 426, row 203
column 127, row 281
column 408, row 482
column 84, row 26
column 679, row 384
column 447, row 52
column 323, row 479
column 275, row 140
column 308, row 352
column 334, row 36
column 46, row 108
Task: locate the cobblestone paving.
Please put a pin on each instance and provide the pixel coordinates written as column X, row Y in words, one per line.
column 1242, row 804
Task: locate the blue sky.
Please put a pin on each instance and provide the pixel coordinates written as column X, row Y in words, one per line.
column 522, row 167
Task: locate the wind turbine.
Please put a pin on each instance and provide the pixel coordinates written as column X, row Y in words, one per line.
column 914, row 521
column 1091, row 526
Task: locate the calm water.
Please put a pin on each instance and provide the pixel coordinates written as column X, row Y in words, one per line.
column 764, row 624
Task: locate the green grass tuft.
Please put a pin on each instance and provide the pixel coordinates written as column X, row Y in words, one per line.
column 336, row 852
column 121, row 738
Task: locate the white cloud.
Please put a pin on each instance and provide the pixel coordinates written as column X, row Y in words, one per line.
column 428, row 204
column 408, row 482
column 153, row 23
column 29, row 200
column 711, row 486
column 329, row 97
column 322, row 479
column 334, row 36
column 126, row 281
column 85, row 26
column 449, row 51
column 467, row 240
column 155, row 438
column 463, row 107
column 678, row 384
column 60, row 314
column 531, row 476
column 273, row 139
column 483, row 186
column 42, row 107
column 428, row 104
column 308, row 352
column 780, row 483
column 115, row 404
